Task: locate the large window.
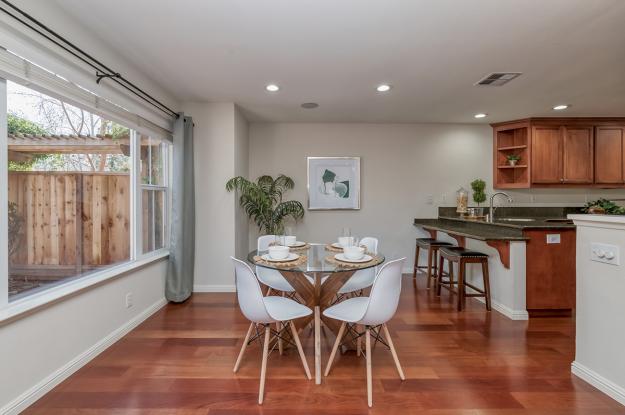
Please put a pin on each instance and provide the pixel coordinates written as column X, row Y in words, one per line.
column 70, row 182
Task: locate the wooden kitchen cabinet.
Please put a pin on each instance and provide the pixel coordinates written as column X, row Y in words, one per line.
column 560, row 152
column 546, row 155
column 577, row 157
column 609, row 149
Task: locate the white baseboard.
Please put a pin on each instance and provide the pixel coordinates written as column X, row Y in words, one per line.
column 29, row 397
column 606, row 386
column 224, row 288
column 507, row 311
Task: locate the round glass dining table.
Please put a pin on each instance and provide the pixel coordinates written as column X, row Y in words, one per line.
column 326, row 275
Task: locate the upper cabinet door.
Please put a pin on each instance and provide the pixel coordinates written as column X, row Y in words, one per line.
column 546, row 155
column 609, row 168
column 578, row 160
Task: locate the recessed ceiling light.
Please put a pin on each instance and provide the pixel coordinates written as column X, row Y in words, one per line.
column 272, row 88
column 480, row 115
column 310, row 105
column 561, row 107
column 383, row 88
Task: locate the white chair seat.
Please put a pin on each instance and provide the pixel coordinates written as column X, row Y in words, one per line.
column 273, row 279
column 283, row 309
column 312, row 279
column 351, row 310
column 359, row 281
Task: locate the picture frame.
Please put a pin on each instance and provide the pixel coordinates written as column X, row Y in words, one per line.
column 333, row 183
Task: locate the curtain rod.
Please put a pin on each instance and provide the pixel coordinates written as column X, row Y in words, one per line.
column 102, row 71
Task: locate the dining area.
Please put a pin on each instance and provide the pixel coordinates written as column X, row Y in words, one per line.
column 342, row 292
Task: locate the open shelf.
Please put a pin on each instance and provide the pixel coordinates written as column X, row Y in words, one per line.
column 511, row 140
column 518, row 166
column 512, row 148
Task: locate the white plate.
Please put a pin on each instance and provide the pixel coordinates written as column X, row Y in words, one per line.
column 297, row 244
column 291, row 257
column 342, row 258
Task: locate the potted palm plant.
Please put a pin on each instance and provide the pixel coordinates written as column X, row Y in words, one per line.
column 513, row 159
column 262, row 201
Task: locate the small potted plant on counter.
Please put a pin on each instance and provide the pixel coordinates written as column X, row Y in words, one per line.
column 479, row 196
column 513, row 159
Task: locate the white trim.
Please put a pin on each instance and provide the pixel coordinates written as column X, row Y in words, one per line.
column 136, row 234
column 506, row 311
column 33, row 394
column 4, row 199
column 210, row 288
column 606, row 386
column 37, row 300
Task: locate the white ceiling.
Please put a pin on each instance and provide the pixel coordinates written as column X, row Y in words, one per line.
column 336, row 52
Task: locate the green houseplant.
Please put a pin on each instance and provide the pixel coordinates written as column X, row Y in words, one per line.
column 262, row 201
column 479, row 196
column 513, row 159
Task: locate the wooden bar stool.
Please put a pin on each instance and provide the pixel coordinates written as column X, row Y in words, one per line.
column 432, row 245
column 462, row 256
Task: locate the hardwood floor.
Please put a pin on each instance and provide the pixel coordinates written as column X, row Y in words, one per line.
column 471, row 363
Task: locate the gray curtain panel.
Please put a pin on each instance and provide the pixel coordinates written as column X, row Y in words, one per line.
column 179, row 283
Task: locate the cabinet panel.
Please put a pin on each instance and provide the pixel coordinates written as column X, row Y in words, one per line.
column 609, row 168
column 578, row 155
column 546, row 155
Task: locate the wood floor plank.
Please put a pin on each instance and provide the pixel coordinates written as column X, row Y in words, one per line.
column 456, row 363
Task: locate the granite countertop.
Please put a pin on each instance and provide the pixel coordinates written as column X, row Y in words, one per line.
column 525, row 223
column 472, row 229
column 532, row 218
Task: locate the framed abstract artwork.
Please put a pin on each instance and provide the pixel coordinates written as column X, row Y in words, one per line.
column 333, row 183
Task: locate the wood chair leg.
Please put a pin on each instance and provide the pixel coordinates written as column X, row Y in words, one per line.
column 337, row 342
column 441, row 265
column 369, row 382
column 317, row 345
column 263, row 367
column 486, row 284
column 358, row 342
column 393, row 352
column 460, row 290
column 247, row 338
column 429, row 275
column 280, row 347
column 299, row 349
column 416, row 262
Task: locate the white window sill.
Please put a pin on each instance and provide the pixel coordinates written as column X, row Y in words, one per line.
column 30, row 303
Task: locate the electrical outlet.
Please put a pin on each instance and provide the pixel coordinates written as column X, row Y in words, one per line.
column 608, row 254
column 443, row 198
column 128, row 300
column 553, row 238
column 429, row 199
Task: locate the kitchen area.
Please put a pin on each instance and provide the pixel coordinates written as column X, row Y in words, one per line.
column 532, row 248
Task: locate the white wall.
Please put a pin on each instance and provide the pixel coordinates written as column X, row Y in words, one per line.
column 220, row 143
column 402, row 164
column 241, row 168
column 39, row 350
column 599, row 334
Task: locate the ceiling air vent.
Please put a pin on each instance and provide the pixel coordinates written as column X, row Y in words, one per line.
column 498, row 78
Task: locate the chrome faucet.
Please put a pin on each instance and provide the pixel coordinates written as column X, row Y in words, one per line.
column 492, row 207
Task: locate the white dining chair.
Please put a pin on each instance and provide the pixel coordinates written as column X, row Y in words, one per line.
column 371, row 312
column 362, row 278
column 272, row 278
column 264, row 311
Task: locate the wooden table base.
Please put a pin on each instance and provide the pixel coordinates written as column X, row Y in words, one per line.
column 318, row 297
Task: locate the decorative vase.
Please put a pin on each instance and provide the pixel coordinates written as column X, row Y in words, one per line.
column 513, row 162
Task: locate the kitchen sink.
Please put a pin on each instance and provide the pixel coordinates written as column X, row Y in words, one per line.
column 515, row 219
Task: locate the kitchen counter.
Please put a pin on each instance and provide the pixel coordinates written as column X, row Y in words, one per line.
column 472, row 229
column 527, row 258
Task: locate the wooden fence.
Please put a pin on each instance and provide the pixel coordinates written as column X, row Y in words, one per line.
column 71, row 220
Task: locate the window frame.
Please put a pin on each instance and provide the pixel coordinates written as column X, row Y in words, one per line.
column 137, row 259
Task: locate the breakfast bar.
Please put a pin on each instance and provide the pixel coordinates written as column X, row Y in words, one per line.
column 531, row 257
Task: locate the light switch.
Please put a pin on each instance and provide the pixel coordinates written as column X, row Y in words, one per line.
column 608, row 254
column 553, row 238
